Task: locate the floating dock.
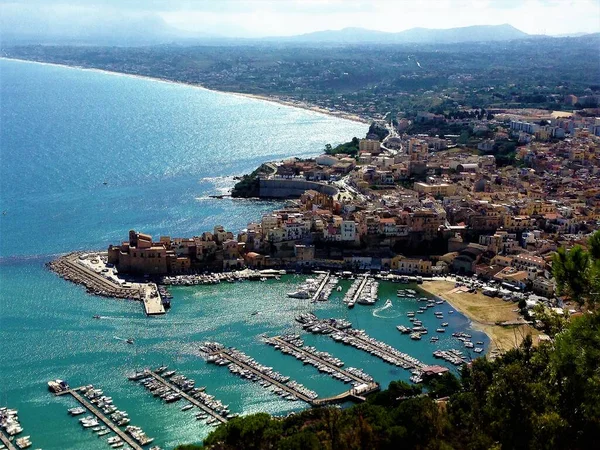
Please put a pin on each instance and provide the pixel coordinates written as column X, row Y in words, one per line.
column 96, row 412
column 225, row 354
column 320, row 288
column 189, row 398
column 372, row 386
column 9, row 445
column 360, row 340
column 359, row 291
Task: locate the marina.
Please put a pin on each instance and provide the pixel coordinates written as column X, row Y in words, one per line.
column 246, row 367
column 123, row 436
column 355, row 291
column 341, row 331
column 294, row 345
column 195, row 396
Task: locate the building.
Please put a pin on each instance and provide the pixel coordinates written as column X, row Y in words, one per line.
column 369, row 146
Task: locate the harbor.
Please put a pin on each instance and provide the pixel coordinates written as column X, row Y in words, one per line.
column 254, row 309
column 178, row 388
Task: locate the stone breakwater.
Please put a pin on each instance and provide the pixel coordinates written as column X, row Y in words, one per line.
column 71, row 268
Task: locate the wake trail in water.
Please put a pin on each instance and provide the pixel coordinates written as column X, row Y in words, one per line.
column 388, row 305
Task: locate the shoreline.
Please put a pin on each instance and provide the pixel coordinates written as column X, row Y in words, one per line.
column 485, row 314
column 264, row 98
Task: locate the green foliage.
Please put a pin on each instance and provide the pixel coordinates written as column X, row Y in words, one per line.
column 577, row 272
column 349, row 148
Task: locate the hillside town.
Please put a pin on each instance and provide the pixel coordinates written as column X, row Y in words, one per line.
column 412, row 204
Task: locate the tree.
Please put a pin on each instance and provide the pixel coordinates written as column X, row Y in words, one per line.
column 577, row 271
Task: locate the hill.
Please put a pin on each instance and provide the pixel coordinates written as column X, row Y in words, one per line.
column 477, row 33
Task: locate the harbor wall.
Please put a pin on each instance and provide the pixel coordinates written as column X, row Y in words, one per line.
column 292, row 188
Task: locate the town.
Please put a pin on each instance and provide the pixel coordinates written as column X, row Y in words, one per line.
column 413, row 204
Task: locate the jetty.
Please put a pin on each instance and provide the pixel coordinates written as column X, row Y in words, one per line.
column 96, row 412
column 314, row 359
column 185, row 395
column 342, row 331
column 245, row 366
column 152, row 300
column 9, row 445
column 324, row 281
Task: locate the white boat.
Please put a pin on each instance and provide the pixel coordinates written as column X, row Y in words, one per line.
column 298, row 294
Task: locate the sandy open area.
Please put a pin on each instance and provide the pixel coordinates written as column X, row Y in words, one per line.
column 485, row 312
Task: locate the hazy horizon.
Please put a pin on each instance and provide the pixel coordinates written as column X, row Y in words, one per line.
column 161, row 19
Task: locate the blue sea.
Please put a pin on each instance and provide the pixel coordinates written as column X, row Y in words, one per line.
column 86, row 156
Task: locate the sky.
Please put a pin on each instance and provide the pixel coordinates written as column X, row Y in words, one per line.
column 260, row 18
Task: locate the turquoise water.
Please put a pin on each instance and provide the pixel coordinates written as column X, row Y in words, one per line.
column 163, row 149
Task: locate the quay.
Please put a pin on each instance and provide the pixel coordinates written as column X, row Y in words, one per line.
column 151, row 299
column 372, row 386
column 109, row 423
column 190, row 399
column 9, row 445
column 223, row 353
column 320, row 288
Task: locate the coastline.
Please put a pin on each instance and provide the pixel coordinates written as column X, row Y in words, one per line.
column 485, row 314
column 264, row 98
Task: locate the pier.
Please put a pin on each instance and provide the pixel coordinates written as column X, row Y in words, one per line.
column 320, row 288
column 109, row 423
column 372, row 385
column 151, row 299
column 266, row 377
column 359, row 340
column 9, row 445
column 189, row 398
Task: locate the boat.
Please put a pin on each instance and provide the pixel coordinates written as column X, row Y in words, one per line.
column 478, row 349
column 415, row 336
column 103, row 433
column 97, row 316
column 76, row 411
column 298, row 294
column 441, row 330
column 388, row 303
column 130, row 341
column 161, row 369
column 187, row 407
column 339, row 289
column 434, row 339
column 403, row 329
column 444, row 324
column 254, row 313
column 23, row 442
column 57, row 386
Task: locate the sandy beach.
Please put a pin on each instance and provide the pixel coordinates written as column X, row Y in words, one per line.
column 485, row 313
column 264, row 98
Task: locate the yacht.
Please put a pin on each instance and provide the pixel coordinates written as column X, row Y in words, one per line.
column 187, row 407
column 298, row 294
column 57, row 386
column 388, row 303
